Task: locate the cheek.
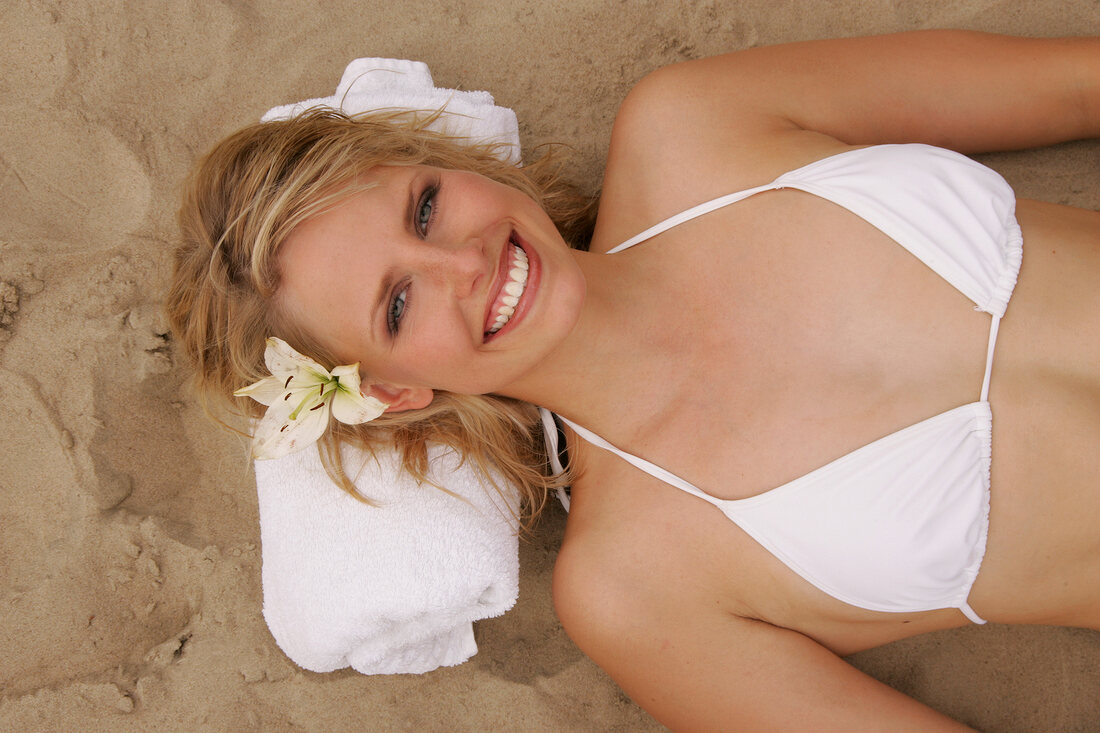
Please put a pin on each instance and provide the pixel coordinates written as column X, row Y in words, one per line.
column 427, row 356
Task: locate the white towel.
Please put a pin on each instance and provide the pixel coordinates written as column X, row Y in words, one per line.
column 386, row 84
column 395, row 588
column 388, row 589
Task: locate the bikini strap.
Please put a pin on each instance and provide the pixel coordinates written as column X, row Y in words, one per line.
column 689, row 214
column 989, row 356
column 550, row 436
column 652, row 469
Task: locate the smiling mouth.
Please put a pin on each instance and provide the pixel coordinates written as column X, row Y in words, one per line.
column 515, row 284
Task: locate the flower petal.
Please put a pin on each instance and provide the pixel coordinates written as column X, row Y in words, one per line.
column 266, row 391
column 277, row 434
column 353, row 408
column 283, row 361
column 347, row 376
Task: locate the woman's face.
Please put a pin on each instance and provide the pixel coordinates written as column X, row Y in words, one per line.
column 435, row 279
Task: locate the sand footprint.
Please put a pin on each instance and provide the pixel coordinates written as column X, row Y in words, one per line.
column 64, row 179
column 41, row 513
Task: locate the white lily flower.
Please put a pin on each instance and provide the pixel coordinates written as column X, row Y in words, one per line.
column 299, row 395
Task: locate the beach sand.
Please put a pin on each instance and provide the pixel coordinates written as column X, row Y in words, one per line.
column 129, row 546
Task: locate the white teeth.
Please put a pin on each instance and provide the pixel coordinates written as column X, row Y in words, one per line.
column 513, row 289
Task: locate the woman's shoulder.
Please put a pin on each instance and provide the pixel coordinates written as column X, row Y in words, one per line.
column 624, row 545
column 646, row 614
column 674, row 145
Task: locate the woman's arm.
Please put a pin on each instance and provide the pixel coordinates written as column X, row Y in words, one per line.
column 695, row 668
column 703, row 128
column 963, row 90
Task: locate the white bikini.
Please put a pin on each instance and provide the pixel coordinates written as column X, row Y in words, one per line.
column 900, row 524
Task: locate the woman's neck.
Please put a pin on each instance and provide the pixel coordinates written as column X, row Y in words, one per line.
column 621, row 348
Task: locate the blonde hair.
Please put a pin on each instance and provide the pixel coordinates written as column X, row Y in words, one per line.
column 241, row 202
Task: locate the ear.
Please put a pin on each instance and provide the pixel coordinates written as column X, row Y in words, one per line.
column 400, row 399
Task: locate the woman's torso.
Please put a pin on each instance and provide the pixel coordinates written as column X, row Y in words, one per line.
column 800, row 333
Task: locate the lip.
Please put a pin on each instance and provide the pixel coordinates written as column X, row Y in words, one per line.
column 503, row 266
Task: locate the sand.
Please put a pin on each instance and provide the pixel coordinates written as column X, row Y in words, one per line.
column 129, row 546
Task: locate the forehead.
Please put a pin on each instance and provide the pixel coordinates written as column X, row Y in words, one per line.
column 329, row 263
column 378, row 191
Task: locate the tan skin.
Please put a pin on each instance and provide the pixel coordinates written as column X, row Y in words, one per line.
column 696, row 621
column 794, row 332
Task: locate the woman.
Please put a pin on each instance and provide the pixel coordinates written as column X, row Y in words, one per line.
column 839, row 323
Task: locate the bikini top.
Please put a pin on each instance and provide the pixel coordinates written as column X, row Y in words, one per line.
column 898, row 525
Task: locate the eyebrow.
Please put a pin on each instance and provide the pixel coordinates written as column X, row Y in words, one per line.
column 379, row 303
column 410, row 206
column 387, row 279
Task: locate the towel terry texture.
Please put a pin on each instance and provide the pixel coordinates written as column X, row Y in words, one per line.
column 395, row 84
column 394, row 588
column 388, row 589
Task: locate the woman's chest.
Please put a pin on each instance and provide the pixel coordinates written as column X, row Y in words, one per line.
column 794, row 349
column 688, row 548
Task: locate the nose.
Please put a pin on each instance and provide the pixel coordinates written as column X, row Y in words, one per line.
column 460, row 265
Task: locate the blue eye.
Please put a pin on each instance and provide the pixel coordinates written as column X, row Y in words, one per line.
column 425, row 210
column 396, row 311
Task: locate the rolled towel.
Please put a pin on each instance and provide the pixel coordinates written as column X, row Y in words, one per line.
column 394, row 588
column 387, row 589
column 371, row 84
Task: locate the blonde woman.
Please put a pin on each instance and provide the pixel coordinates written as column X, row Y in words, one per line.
column 825, row 384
